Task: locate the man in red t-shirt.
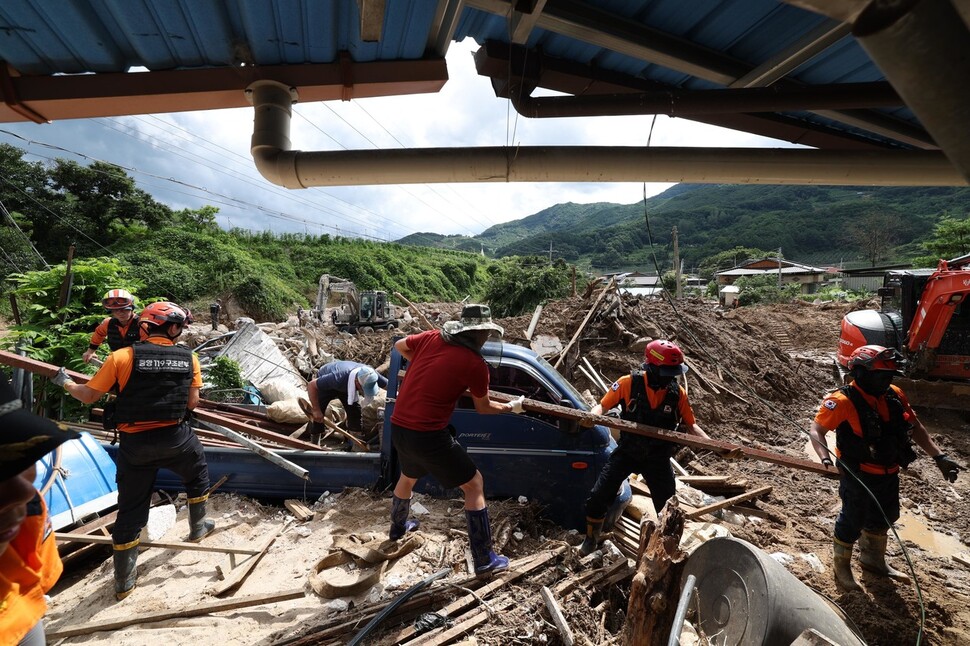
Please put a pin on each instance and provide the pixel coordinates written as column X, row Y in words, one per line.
column 442, row 366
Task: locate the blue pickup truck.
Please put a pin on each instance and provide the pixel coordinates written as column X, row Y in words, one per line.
column 544, row 458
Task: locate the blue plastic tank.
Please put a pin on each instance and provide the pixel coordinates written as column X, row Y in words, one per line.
column 79, row 478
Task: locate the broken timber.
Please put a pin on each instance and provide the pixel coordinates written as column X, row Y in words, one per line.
column 239, row 573
column 582, row 326
column 414, row 308
column 650, row 611
column 193, row 611
column 693, row 441
column 190, row 547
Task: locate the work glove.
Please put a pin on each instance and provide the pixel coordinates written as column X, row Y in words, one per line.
column 60, row 377
column 516, row 404
column 948, row 467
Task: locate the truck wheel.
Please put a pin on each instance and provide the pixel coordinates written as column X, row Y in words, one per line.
column 365, row 330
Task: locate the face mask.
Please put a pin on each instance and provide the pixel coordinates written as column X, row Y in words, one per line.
column 875, row 383
column 655, row 380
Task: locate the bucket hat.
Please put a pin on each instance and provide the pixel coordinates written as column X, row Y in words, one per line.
column 474, row 317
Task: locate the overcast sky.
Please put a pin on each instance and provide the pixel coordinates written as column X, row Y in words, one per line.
column 191, row 159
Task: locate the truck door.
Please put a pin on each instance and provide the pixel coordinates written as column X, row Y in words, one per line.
column 530, row 454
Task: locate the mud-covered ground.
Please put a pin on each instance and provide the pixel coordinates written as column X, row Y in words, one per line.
column 758, row 374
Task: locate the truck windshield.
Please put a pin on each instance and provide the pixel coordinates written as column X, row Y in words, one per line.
column 566, row 385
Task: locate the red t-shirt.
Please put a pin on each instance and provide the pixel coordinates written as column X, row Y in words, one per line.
column 438, row 374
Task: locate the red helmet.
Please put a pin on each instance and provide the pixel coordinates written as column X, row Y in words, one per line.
column 877, row 357
column 667, row 356
column 118, row 299
column 162, row 313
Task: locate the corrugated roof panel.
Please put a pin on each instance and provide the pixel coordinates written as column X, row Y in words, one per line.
column 39, row 38
column 167, row 35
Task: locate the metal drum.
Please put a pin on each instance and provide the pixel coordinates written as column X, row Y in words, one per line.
column 747, row 598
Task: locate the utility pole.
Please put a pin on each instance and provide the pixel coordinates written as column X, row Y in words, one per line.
column 678, row 290
column 779, row 267
column 550, row 252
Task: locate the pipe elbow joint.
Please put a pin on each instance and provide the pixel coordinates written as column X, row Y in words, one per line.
column 277, row 166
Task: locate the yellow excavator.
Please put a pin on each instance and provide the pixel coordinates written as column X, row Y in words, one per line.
column 353, row 311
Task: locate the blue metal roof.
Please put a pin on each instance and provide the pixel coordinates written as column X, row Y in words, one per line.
column 673, row 44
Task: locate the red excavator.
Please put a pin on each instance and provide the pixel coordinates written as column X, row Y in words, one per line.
column 924, row 314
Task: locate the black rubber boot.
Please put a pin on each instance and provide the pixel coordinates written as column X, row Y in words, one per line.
column 480, row 539
column 400, row 525
column 125, row 557
column 873, row 555
column 199, row 525
column 593, row 528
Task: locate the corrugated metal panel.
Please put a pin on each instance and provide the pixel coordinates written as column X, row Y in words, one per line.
column 77, row 36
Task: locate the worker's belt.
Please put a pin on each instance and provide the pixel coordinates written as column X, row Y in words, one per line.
column 878, row 469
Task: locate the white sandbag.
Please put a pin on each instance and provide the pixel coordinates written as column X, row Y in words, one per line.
column 275, row 390
column 286, row 411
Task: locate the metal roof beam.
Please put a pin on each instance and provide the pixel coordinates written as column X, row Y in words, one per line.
column 797, row 54
column 523, row 22
column 616, row 33
column 100, row 95
column 443, row 26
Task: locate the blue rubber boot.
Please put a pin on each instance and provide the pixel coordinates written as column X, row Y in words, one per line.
column 400, row 525
column 480, row 539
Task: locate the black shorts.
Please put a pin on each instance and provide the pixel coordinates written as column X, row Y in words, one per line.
column 432, row 452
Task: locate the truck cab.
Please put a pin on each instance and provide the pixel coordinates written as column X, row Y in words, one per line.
column 544, row 458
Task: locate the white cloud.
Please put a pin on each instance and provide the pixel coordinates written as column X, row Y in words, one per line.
column 191, row 159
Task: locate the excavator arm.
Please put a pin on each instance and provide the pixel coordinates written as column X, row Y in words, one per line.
column 943, row 293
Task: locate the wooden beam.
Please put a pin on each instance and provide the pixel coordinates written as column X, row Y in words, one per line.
column 532, row 324
column 414, row 308
column 728, row 502
column 557, row 617
column 195, row 610
column 190, row 547
column 582, row 326
column 693, row 441
column 240, row 572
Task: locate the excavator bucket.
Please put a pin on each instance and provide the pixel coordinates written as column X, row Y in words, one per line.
column 925, row 393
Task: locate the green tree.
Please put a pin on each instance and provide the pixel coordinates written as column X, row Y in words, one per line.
column 951, row 239
column 519, row 283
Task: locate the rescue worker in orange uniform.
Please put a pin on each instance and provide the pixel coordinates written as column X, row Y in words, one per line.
column 120, row 329
column 158, row 384
column 29, row 564
column 873, row 424
column 649, row 396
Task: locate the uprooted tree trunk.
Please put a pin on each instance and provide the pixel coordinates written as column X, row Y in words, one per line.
column 656, row 585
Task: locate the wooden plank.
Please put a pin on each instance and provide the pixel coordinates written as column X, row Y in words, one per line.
column 693, row 441
column 760, row 491
column 459, row 629
column 298, row 509
column 557, row 617
column 190, row 547
column 239, row 573
column 263, row 434
column 533, row 322
column 196, row 610
column 582, row 326
column 697, row 481
column 517, row 569
column 414, row 308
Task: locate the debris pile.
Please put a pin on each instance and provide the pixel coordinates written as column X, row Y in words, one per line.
column 757, row 375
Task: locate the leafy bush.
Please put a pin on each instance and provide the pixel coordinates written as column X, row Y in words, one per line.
column 520, row 283
column 266, row 297
column 764, row 289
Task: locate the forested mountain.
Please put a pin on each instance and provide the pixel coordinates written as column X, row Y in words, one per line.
column 809, row 223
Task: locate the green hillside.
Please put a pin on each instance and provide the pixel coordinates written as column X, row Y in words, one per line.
column 816, row 224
